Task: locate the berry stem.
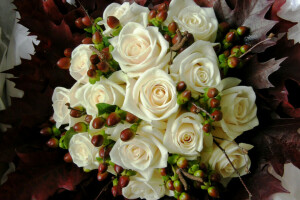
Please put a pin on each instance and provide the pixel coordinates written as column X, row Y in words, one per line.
column 237, row 172
column 104, row 188
column 181, row 178
column 203, row 110
column 100, row 54
column 181, row 40
column 189, row 176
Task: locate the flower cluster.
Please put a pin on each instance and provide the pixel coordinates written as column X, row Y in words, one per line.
column 149, row 105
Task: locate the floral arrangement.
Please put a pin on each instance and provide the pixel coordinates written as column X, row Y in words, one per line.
column 153, row 100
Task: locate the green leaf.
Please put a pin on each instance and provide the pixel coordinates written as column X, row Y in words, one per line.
column 115, row 182
column 105, row 41
column 69, row 134
column 89, row 29
column 166, row 178
column 61, row 143
column 130, row 172
column 105, row 108
column 173, row 159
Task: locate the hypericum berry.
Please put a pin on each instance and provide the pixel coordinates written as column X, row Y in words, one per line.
column 104, row 152
column 184, row 97
column 230, row 36
column 106, row 54
column 114, row 191
column 131, row 118
column 242, row 30
column 178, row 186
column 78, row 23
column 245, row 48
column 193, row 109
column 98, row 123
column 170, row 185
column 226, row 45
column 52, row 143
column 91, row 73
column 87, row 21
column 152, row 14
column 68, row 52
column 224, row 27
column 213, row 192
column 181, row 86
column 182, row 162
column 214, row 103
column 233, row 62
column 113, row 119
column 217, row 115
column 206, row 128
column 80, row 127
column 172, row 27
column 88, row 118
column 87, row 40
column 97, row 38
column 47, row 131
column 190, row 39
column 94, row 59
column 97, row 140
column 215, row 177
column 212, row 92
column 103, row 66
column 235, row 50
column 226, row 53
column 68, row 158
column 199, row 173
column 162, row 15
column 118, row 169
column 175, row 39
column 64, row 63
column 168, row 38
column 163, row 171
column 113, row 22
column 76, row 112
column 123, row 181
column 102, row 176
column 126, row 134
column 184, row 196
column 102, row 167
column 162, row 6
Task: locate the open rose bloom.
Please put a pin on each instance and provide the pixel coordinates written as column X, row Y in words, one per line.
column 150, row 105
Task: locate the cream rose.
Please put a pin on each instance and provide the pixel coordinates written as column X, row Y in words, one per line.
column 83, row 152
column 80, row 62
column 240, row 160
column 125, row 13
column 201, row 22
column 138, row 187
column 197, row 66
column 61, row 113
column 184, row 135
column 239, row 110
column 152, row 97
column 137, row 49
column 143, row 153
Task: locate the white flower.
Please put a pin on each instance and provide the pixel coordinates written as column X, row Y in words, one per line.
column 201, row 22
column 140, row 188
column 197, row 66
column 83, row 152
column 152, row 96
column 61, row 113
column 125, row 13
column 184, row 135
column 143, row 153
column 239, row 110
column 80, row 62
column 137, row 49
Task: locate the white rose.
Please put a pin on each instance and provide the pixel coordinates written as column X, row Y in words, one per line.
column 184, row 135
column 239, row 110
column 137, row 49
column 240, row 160
column 125, row 13
column 197, row 66
column 83, row 152
column 143, row 153
column 61, row 113
column 80, row 62
column 140, row 188
column 152, row 97
column 201, row 22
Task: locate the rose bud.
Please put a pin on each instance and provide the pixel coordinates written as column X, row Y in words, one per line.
column 242, row 30
column 87, row 40
column 214, row 103
column 162, row 15
column 113, row 22
column 64, row 63
column 47, row 131
column 245, row 48
column 184, row 97
column 230, row 37
column 213, row 192
column 104, row 152
column 68, row 158
column 68, row 52
column 163, row 171
column 182, row 162
column 217, row 115
column 80, row 127
column 97, row 38
column 172, row 27
column 126, row 134
column 102, row 167
column 181, row 86
column 184, row 196
column 123, row 181
column 113, row 119
column 118, row 169
column 98, row 122
column 97, row 140
column 168, row 38
column 91, row 73
column 103, row 66
column 102, row 176
column 206, row 128
column 224, row 27
column 152, row 14
column 79, row 24
column 94, row 59
column 88, row 118
column 233, row 62
column 131, row 118
column 86, row 21
column 212, row 92
column 177, row 186
column 170, row 185
column 162, row 7
column 52, row 143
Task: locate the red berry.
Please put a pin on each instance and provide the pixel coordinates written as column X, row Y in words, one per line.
column 175, row 39
column 162, row 15
column 168, row 38
column 68, row 52
column 64, row 63
column 152, row 14
column 131, row 118
column 102, row 167
column 87, row 21
column 88, row 118
column 245, row 48
column 230, row 36
column 213, row 192
column 94, row 59
column 235, row 49
column 80, row 127
column 91, row 73
column 190, row 38
column 199, row 173
column 126, row 134
column 224, row 27
column 226, row 53
column 170, row 185
column 106, row 54
column 118, row 169
column 178, row 186
column 78, row 23
column 184, row 196
column 97, row 38
column 47, row 131
column 181, row 86
column 182, row 162
column 113, row 119
column 172, row 27
column 206, row 128
column 76, row 112
column 114, row 191
column 113, row 22
column 102, row 176
column 68, row 158
column 214, row 103
column 103, row 66
column 186, row 94
column 123, row 181
column 193, row 109
column 233, row 62
column 52, row 143
column 97, row 140
column 242, row 30
column 104, row 152
column 212, row 92
column 162, row 6
column 87, row 40
column 217, row 115
column 163, row 171
column 98, row 123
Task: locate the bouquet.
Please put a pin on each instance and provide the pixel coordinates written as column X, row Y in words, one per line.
column 162, row 97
